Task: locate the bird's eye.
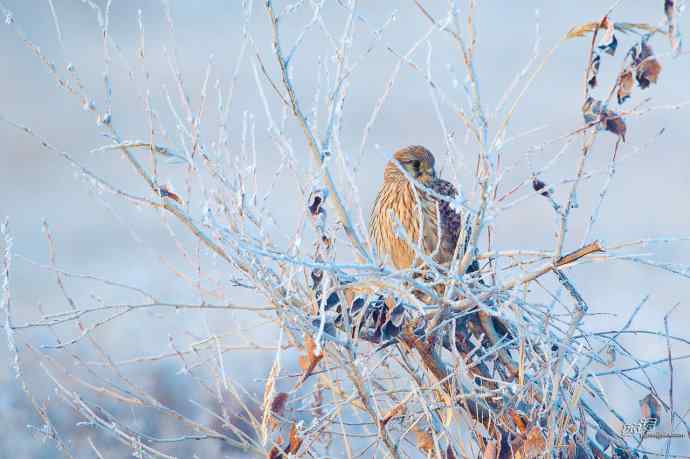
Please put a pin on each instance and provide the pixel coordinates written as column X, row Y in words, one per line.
column 415, row 164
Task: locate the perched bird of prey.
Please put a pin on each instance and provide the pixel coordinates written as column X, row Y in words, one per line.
column 413, row 197
column 430, row 223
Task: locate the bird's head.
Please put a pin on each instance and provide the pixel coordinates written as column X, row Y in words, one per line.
column 416, row 161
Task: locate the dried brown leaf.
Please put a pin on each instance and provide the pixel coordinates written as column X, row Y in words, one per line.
column 295, row 440
column 614, row 123
column 450, row 454
column 309, row 361
column 595, row 112
column 519, row 422
column 647, row 67
column 278, row 403
column 582, row 30
column 625, row 85
column 425, row 441
column 274, row 410
column 648, row 72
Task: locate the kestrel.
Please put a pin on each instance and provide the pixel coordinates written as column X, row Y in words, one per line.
column 409, row 198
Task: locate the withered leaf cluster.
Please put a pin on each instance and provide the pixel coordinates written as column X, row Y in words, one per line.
column 642, row 67
column 609, row 45
column 596, row 113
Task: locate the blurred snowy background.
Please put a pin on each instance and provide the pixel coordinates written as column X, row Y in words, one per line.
column 102, row 236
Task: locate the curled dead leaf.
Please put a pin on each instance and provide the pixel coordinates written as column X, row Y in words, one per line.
column 309, row 361
column 614, row 123
column 275, row 410
column 648, row 72
column 316, row 200
column 519, row 420
column 595, row 113
column 647, row 67
column 278, row 403
column 295, row 440
column 538, row 186
column 625, row 85
column 609, row 40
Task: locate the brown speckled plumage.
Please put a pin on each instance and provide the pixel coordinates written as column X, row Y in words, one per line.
column 451, row 220
column 403, row 197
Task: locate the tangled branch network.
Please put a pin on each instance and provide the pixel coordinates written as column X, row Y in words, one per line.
column 296, row 322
